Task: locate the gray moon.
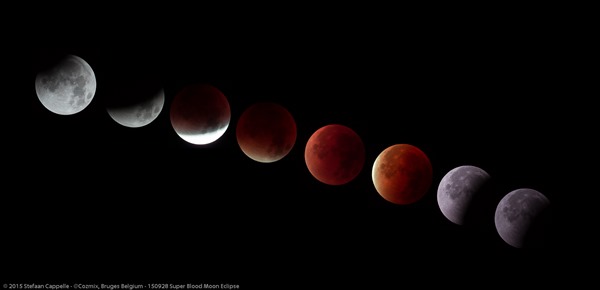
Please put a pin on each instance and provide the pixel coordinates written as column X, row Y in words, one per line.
column 457, row 189
column 141, row 113
column 516, row 212
column 68, row 87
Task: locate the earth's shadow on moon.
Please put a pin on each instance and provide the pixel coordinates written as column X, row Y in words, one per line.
column 538, row 236
column 48, row 61
column 128, row 92
column 479, row 215
column 131, row 81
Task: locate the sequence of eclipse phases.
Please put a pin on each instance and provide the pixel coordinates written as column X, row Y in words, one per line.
column 266, row 132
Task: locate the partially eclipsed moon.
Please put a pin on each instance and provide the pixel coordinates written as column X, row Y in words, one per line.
column 516, row 213
column 457, row 189
column 141, row 113
column 200, row 114
column 68, row 87
column 402, row 174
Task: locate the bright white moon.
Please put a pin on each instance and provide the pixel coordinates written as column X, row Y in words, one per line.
column 68, row 87
column 205, row 138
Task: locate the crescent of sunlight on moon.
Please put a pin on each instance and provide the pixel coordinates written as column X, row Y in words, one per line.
column 68, row 87
column 205, row 138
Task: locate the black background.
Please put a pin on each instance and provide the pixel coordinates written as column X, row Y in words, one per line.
column 143, row 205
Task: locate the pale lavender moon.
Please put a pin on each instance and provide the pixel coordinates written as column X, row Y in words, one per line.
column 516, row 212
column 457, row 189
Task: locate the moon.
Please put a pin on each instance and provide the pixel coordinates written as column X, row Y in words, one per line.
column 266, row 132
column 135, row 96
column 517, row 212
column 68, row 87
column 200, row 114
column 139, row 113
column 334, row 154
column 402, row 174
column 456, row 191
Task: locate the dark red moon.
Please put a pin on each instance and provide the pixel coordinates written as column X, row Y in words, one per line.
column 402, row 174
column 266, row 132
column 200, row 114
column 334, row 154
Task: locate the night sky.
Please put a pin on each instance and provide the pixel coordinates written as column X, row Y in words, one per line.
column 104, row 196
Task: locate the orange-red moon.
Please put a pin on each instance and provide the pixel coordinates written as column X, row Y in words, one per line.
column 402, row 174
column 334, row 154
column 266, row 132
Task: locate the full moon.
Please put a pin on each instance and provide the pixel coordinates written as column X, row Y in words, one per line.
column 456, row 191
column 334, row 154
column 266, row 132
column 517, row 212
column 402, row 174
column 68, row 87
column 200, row 114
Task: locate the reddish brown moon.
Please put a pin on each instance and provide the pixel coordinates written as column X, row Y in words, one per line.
column 334, row 154
column 402, row 174
column 200, row 114
column 266, row 132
